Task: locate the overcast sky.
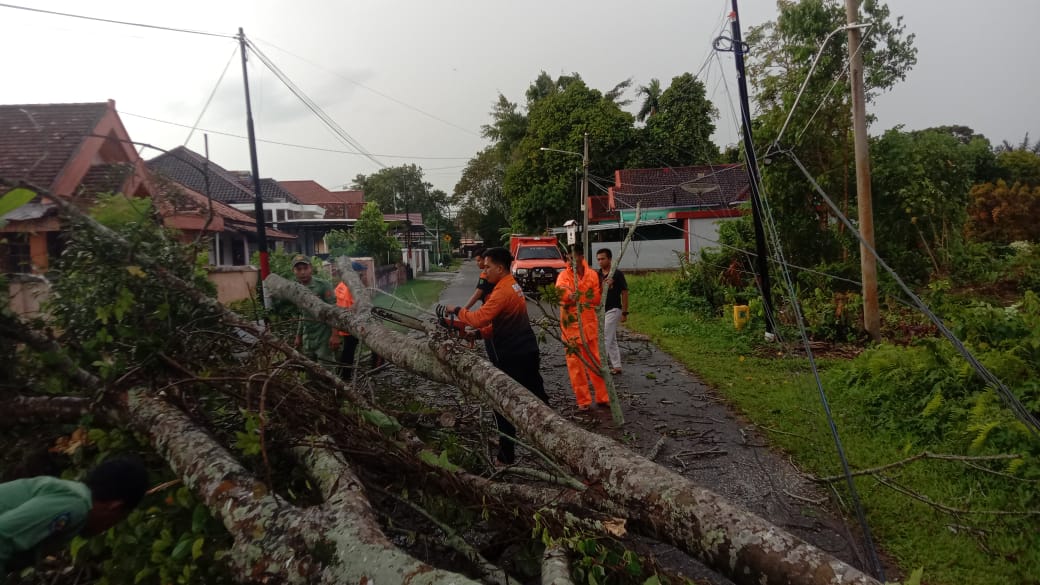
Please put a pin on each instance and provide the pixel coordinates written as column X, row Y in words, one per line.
column 413, row 80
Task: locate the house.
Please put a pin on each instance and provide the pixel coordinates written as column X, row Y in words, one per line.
column 337, row 204
column 680, row 208
column 283, row 210
column 74, row 151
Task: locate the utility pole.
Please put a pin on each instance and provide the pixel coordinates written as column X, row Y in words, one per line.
column 761, row 258
column 258, row 200
column 585, row 198
column 867, row 262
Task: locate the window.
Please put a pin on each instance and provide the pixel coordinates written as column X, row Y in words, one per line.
column 15, row 256
column 538, row 253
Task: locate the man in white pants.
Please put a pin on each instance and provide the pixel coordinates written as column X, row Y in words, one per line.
column 616, row 309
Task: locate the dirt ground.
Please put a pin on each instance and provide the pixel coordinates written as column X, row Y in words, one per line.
column 700, row 436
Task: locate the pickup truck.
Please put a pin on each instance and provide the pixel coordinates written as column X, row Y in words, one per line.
column 536, row 261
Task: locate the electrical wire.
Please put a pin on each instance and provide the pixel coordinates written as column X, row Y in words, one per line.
column 373, row 90
column 777, row 250
column 331, row 124
column 209, row 100
column 1010, row 400
column 122, row 22
column 292, row 145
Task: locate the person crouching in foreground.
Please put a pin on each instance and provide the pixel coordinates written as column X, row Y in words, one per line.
column 40, row 514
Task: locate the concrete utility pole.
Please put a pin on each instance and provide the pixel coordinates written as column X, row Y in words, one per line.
column 585, row 197
column 867, row 262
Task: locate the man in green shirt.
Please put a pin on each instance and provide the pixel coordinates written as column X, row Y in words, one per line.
column 43, row 513
column 315, row 339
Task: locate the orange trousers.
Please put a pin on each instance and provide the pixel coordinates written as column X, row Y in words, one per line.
column 579, row 372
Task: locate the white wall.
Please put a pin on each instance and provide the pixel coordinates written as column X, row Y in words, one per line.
column 642, row 254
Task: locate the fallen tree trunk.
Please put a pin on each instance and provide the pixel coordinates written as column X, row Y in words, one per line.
column 665, row 505
column 274, row 539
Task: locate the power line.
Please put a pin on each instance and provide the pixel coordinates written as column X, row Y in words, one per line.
column 289, row 144
column 122, row 22
column 211, row 94
column 373, row 90
column 311, row 105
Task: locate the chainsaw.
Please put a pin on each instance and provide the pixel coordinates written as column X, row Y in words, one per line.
column 455, row 328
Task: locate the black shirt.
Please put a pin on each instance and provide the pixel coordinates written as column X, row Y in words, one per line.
column 614, row 292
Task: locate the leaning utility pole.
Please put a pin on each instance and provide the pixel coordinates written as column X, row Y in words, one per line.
column 867, row 262
column 761, row 258
column 258, row 199
column 585, row 198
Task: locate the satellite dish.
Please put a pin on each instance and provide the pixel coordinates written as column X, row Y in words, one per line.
column 698, row 189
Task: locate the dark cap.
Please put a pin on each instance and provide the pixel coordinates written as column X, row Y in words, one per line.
column 300, row 259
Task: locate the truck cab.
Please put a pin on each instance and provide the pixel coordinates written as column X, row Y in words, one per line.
column 536, row 261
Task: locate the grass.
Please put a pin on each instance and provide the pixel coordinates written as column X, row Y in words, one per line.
column 779, row 395
column 417, row 292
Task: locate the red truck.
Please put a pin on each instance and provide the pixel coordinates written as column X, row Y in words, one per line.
column 536, row 261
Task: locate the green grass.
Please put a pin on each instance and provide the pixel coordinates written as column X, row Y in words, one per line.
column 779, row 395
column 421, row 293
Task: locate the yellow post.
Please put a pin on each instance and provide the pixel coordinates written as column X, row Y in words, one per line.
column 741, row 316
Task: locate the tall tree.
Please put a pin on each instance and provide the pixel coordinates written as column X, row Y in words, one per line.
column 679, row 130
column 540, row 186
column 819, row 128
column 651, row 95
column 396, row 188
column 479, row 196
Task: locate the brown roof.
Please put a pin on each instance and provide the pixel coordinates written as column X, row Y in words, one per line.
column 312, row 193
column 187, row 210
column 696, row 186
column 37, row 140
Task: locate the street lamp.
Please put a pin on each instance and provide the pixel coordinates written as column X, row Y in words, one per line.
column 584, row 190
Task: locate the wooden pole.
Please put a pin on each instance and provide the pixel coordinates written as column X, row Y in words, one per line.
column 867, row 262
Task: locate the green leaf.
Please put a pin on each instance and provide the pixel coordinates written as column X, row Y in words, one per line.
column 915, row 577
column 182, row 549
column 184, row 498
column 196, row 548
column 387, row 424
column 199, row 518
column 14, row 199
column 144, row 574
column 653, row 580
column 76, row 545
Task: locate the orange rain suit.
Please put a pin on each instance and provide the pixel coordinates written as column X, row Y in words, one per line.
column 583, row 291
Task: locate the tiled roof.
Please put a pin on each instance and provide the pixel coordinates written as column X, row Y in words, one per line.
column 105, row 178
column 184, row 166
column 314, row 194
column 416, row 218
column 350, row 197
column 37, row 140
column 698, row 186
column 189, row 209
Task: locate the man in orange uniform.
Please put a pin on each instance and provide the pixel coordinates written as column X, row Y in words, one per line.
column 580, row 291
column 508, row 338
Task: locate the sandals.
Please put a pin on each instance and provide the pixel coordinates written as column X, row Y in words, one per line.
column 615, row 371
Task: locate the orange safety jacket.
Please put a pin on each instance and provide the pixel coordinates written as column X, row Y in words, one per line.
column 574, row 291
column 344, row 299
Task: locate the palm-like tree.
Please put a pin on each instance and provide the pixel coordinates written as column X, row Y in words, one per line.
column 651, row 99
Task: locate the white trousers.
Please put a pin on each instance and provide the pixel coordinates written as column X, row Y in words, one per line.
column 610, row 324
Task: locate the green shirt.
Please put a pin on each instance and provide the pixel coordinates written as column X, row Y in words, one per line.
column 39, row 510
column 316, row 334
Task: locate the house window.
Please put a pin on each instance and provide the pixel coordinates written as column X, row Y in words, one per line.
column 238, row 252
column 15, row 256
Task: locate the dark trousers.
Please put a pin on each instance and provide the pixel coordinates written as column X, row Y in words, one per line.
column 525, row 370
column 346, row 357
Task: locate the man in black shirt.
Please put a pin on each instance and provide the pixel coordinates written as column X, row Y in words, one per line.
column 616, row 309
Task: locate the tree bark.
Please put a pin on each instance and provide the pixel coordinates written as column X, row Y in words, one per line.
column 665, row 505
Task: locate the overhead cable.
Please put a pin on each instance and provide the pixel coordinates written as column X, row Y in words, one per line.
column 209, row 100
column 121, row 22
column 331, row 124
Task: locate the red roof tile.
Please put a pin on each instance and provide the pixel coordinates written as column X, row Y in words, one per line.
column 37, row 140
column 314, row 194
column 699, row 186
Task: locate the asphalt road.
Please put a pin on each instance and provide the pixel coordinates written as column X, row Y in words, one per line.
column 703, row 437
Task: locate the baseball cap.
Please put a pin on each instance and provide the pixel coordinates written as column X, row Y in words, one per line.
column 300, row 259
